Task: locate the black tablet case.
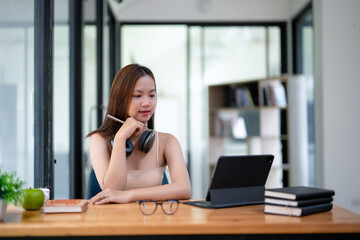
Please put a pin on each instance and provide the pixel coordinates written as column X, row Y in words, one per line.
column 238, row 180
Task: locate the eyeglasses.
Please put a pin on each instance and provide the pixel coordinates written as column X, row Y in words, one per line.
column 148, row 207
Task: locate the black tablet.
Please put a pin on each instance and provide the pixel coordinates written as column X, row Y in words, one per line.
column 237, row 180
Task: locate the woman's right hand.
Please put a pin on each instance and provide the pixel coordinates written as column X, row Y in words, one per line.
column 111, row 196
column 131, row 126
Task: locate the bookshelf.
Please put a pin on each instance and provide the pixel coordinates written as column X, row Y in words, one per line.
column 252, row 117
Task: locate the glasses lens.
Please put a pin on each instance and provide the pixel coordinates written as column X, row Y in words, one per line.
column 147, row 207
column 170, row 206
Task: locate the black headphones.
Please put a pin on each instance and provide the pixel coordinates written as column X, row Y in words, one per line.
column 146, row 140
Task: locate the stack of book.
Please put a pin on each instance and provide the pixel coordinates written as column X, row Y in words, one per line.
column 298, row 201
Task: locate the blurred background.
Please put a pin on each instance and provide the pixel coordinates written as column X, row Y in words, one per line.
column 199, row 51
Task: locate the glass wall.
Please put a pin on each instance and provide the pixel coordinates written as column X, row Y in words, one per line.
column 185, row 60
column 241, row 53
column 61, row 96
column 90, row 74
column 304, row 64
column 17, row 88
column 89, row 92
column 62, row 91
column 274, row 51
column 234, row 54
column 197, row 114
column 162, row 48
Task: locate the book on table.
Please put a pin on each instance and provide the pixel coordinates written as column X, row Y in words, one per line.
column 297, row 203
column 297, row 211
column 298, row 200
column 299, row 193
column 65, row 206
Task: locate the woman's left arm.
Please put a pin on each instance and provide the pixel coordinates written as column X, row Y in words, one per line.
column 180, row 181
column 179, row 188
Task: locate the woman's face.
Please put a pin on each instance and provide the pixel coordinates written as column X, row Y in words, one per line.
column 143, row 101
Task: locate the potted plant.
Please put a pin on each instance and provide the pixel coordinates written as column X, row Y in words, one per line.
column 11, row 188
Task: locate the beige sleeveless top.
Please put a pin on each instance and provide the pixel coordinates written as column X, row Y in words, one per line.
column 146, row 177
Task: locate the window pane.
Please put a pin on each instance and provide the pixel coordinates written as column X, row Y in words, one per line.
column 163, row 50
column 106, row 69
column 234, row 54
column 305, row 65
column 89, row 92
column 308, row 70
column 61, row 105
column 274, row 51
column 198, row 128
column 16, row 88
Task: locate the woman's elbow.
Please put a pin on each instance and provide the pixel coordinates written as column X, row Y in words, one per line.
column 185, row 192
column 113, row 185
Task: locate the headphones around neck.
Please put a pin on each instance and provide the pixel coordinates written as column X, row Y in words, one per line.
column 146, row 140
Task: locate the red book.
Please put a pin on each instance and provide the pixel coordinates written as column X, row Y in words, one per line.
column 65, row 206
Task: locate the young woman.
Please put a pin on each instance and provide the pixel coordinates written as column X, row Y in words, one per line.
column 127, row 174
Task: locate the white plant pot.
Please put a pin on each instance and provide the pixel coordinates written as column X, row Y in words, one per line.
column 3, row 207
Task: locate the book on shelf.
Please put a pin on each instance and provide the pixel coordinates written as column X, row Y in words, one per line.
column 223, row 124
column 279, row 93
column 65, row 206
column 273, row 94
column 229, row 124
column 239, row 128
column 297, row 211
column 299, row 193
column 242, row 96
column 298, row 203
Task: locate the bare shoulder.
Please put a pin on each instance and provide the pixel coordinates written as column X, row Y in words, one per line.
column 169, row 144
column 167, row 138
column 98, row 139
column 171, row 150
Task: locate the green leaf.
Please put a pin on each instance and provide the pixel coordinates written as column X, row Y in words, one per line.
column 11, row 187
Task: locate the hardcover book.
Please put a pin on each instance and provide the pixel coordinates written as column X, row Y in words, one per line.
column 297, row 211
column 299, row 203
column 65, row 206
column 299, row 193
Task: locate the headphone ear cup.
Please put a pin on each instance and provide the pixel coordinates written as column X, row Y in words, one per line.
column 129, row 147
column 142, row 140
column 146, row 141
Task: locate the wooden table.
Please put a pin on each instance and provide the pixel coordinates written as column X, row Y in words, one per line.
column 126, row 220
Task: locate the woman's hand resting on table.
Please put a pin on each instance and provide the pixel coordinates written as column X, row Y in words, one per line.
column 111, row 196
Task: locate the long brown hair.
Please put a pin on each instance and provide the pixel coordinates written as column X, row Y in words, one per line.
column 120, row 98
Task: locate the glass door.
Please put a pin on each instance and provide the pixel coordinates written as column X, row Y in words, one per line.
column 303, row 63
column 17, row 89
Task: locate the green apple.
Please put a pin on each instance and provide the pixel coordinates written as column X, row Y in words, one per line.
column 33, row 199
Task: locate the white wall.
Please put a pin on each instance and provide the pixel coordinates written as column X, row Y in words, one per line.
column 337, row 98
